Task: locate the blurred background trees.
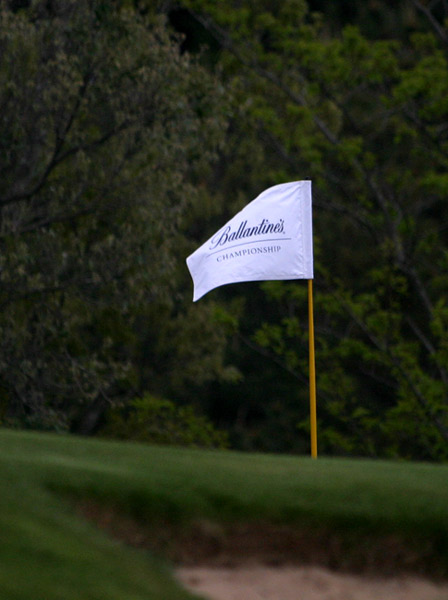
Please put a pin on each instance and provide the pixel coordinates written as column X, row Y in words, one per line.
column 105, row 131
column 131, row 131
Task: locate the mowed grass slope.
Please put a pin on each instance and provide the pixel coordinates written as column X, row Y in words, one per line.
column 49, row 552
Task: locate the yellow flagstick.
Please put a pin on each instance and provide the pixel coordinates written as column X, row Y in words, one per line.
column 312, row 368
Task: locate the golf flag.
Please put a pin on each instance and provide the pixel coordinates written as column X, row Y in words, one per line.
column 270, row 238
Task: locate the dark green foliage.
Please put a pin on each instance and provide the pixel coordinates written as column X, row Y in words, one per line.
column 120, row 152
column 104, row 128
column 366, row 121
column 159, row 421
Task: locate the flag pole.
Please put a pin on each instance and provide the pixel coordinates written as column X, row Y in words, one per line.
column 312, row 372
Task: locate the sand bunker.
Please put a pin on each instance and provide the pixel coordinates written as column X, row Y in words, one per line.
column 303, row 583
column 267, row 562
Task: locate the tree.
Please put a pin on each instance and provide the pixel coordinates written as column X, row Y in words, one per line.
column 105, row 132
column 366, row 121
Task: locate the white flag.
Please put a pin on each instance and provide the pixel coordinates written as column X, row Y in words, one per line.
column 270, row 238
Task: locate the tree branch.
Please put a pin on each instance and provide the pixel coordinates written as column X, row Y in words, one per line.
column 440, row 31
column 397, row 363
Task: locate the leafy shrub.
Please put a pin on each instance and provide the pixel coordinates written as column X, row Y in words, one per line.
column 158, row 421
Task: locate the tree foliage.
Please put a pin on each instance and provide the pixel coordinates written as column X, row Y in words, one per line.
column 120, row 152
column 104, row 129
column 366, row 121
column 157, row 421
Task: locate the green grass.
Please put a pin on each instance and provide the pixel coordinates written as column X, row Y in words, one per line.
column 47, row 552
